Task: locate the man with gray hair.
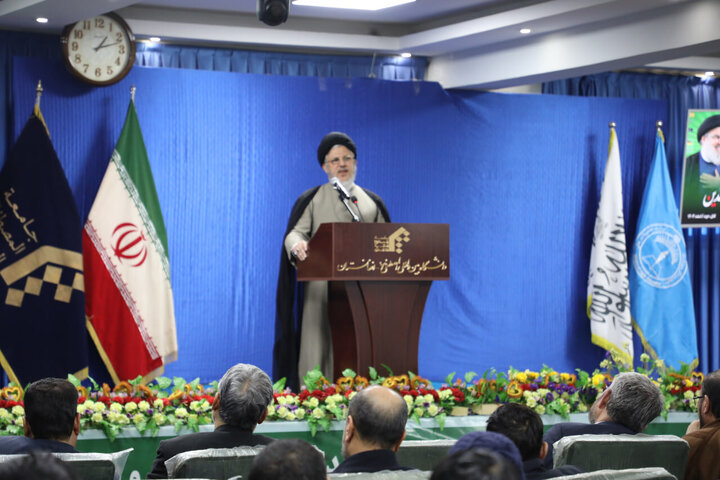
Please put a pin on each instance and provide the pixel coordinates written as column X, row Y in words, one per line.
column 627, row 406
column 241, row 401
column 374, row 430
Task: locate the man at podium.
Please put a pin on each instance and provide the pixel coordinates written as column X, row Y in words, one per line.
column 338, row 200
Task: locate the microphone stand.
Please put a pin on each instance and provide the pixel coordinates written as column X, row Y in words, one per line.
column 347, row 205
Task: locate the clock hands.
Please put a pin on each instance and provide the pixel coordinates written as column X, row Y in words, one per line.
column 102, row 44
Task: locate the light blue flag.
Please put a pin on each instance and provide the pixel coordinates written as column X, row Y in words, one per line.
column 662, row 301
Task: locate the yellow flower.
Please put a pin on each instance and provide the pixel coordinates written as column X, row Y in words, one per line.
column 428, row 398
column 282, row 412
column 532, row 375
column 99, row 407
column 18, row 411
column 158, row 404
column 88, row 404
column 97, row 417
column 582, row 408
column 540, row 409
column 659, row 363
column 159, row 419
column 419, row 412
column 644, row 357
column 123, row 419
column 18, row 422
column 433, row 410
column 281, row 401
column 408, row 399
column 311, row 402
column 5, row 414
column 318, row 413
column 138, row 419
column 181, row 412
column 193, row 417
column 444, row 394
column 290, row 417
column 688, row 383
column 300, row 413
column 116, row 407
column 521, row 377
column 130, row 407
column 598, row 380
column 143, row 405
column 530, row 402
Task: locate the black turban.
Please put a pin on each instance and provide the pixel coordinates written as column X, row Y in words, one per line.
column 332, row 139
column 707, row 125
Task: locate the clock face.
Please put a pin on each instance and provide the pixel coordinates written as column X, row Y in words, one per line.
column 99, row 50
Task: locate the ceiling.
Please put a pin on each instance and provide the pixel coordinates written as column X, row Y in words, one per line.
column 470, row 43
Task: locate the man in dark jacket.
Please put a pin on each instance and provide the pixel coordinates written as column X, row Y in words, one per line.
column 51, row 420
column 374, row 430
column 524, row 427
column 243, row 396
column 627, row 406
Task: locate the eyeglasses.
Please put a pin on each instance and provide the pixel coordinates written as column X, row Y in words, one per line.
column 335, row 161
column 696, row 398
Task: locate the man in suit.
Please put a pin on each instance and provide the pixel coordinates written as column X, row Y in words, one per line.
column 474, row 464
column 243, row 396
column 289, row 459
column 627, row 406
column 703, row 435
column 374, row 430
column 524, row 427
column 51, row 420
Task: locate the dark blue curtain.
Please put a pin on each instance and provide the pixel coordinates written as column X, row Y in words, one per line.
column 703, row 245
column 517, row 178
column 278, row 63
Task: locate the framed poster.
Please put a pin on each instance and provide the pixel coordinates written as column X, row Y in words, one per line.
column 700, row 197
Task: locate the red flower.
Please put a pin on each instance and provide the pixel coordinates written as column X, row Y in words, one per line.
column 81, row 399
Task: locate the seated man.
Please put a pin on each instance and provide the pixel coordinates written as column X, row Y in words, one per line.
column 289, row 459
column 243, row 396
column 374, row 430
column 703, row 435
column 474, row 464
column 51, row 421
column 627, row 406
column 36, row 465
column 524, row 427
column 495, row 443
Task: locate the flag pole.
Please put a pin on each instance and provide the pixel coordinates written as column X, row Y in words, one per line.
column 132, row 94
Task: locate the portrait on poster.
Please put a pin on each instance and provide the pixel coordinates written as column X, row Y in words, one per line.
column 700, row 197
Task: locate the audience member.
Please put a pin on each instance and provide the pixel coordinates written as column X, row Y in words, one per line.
column 243, row 396
column 703, row 435
column 475, row 464
column 524, row 427
column 494, row 442
column 51, row 420
column 627, row 406
column 36, row 465
column 289, row 459
column 374, row 430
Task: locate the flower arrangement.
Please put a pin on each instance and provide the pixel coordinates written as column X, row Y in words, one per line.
column 319, row 402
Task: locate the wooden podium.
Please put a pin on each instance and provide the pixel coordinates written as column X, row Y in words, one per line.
column 379, row 276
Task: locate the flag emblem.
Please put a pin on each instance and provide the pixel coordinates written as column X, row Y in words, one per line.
column 659, row 258
column 129, row 244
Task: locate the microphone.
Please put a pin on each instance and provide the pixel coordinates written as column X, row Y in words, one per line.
column 340, row 188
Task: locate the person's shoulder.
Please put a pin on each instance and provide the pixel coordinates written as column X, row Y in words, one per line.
column 565, row 429
column 13, row 444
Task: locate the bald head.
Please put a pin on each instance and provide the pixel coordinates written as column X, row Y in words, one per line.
column 379, row 415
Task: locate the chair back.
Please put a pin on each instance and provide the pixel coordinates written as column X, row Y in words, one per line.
column 595, row 452
column 423, row 454
column 648, row 473
column 215, row 463
column 90, row 466
column 384, row 475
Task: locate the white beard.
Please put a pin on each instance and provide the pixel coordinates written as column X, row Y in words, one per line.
column 710, row 154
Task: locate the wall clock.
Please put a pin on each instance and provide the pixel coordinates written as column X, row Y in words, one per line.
column 99, row 50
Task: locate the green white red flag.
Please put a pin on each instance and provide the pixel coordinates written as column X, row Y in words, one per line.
column 128, row 296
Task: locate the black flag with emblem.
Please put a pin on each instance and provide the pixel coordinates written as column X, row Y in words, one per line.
column 42, row 304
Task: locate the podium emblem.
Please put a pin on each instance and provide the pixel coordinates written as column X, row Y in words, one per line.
column 393, row 242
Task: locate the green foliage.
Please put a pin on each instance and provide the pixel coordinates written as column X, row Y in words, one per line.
column 373, row 373
column 349, row 373
column 279, row 386
column 163, row 382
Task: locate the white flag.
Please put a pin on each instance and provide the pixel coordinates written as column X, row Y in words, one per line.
column 608, row 302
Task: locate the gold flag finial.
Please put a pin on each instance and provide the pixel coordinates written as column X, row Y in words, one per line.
column 611, row 124
column 132, row 94
column 658, row 124
column 38, row 93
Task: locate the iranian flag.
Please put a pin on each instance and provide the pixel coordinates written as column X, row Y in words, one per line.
column 128, row 297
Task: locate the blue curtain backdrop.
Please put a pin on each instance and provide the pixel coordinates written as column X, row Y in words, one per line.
column 205, row 58
column 703, row 245
column 517, row 177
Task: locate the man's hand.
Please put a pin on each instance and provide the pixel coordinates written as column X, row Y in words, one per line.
column 693, row 427
column 710, row 182
column 299, row 250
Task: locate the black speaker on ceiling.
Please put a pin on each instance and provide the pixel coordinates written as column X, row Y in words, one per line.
column 273, row 12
